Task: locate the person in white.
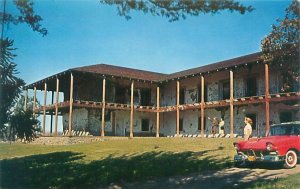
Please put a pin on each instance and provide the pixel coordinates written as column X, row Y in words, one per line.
column 221, row 126
column 247, row 128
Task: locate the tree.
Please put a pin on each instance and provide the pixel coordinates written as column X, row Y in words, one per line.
column 23, row 124
column 26, row 15
column 10, row 84
column 174, row 10
column 280, row 48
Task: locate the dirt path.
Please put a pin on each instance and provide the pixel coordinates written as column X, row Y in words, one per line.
column 227, row 178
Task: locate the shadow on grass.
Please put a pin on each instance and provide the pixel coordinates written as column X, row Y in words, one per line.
column 65, row 170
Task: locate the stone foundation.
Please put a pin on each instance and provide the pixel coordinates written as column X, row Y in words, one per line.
column 65, row 140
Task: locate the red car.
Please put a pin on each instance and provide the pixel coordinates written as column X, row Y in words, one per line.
column 282, row 145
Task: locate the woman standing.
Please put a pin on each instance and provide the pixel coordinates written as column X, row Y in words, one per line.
column 247, row 128
column 221, row 127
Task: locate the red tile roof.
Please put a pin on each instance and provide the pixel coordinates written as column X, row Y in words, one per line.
column 219, row 65
column 118, row 71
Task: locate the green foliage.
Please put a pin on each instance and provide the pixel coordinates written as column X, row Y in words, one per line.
column 10, row 84
column 27, row 15
column 22, row 122
column 24, row 125
column 281, row 47
column 174, row 10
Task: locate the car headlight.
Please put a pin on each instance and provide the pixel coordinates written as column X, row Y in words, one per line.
column 270, row 146
column 236, row 146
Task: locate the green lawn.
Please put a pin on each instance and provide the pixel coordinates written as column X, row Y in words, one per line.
column 113, row 160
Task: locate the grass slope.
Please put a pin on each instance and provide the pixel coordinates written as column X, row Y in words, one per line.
column 101, row 163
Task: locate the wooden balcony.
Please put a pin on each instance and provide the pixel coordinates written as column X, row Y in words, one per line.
column 207, row 105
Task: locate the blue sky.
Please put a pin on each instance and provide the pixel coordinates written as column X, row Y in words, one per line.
column 87, row 32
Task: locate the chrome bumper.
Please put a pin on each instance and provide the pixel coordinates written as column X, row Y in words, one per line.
column 241, row 157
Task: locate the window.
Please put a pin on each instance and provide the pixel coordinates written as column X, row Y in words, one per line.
column 120, row 96
column 145, row 124
column 288, row 129
column 180, row 124
column 181, row 96
column 251, row 86
column 225, row 90
column 145, row 97
column 286, row 116
column 199, row 123
column 253, row 118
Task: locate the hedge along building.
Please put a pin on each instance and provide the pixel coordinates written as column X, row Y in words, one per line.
column 110, row 100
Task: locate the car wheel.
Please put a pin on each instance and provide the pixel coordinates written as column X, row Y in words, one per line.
column 290, row 159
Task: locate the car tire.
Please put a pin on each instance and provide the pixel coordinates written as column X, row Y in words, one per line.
column 290, row 159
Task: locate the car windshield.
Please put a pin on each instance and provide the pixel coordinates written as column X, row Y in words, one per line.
column 285, row 129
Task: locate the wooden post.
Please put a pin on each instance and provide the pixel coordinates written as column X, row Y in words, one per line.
column 177, row 109
column 56, row 106
column 231, row 104
column 71, row 105
column 34, row 101
column 157, row 111
column 25, row 99
column 113, row 122
column 267, row 99
column 103, row 107
column 131, row 112
column 202, row 106
column 44, row 108
column 51, row 120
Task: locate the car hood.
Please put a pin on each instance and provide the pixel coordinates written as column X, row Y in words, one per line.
column 261, row 143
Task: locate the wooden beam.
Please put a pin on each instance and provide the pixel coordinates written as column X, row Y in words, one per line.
column 51, row 120
column 267, row 101
column 177, row 108
column 56, row 107
column 44, row 108
column 231, row 104
column 34, row 101
column 103, row 107
column 202, row 106
column 157, row 111
column 131, row 110
column 71, row 105
column 25, row 99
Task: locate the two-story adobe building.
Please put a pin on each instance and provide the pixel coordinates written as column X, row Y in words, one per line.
column 110, row 100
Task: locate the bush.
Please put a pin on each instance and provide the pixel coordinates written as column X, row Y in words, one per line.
column 24, row 125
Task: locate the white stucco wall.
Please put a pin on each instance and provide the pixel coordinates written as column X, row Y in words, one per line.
column 168, row 94
column 79, row 119
column 239, row 87
column 123, row 122
column 168, row 123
